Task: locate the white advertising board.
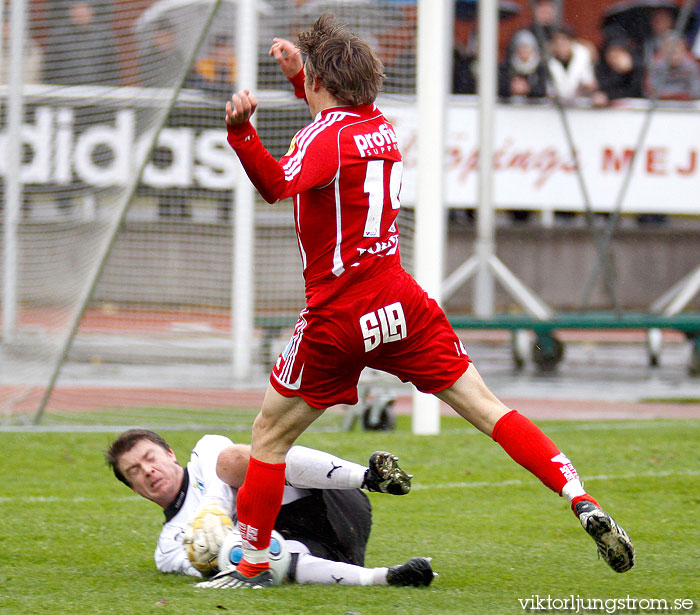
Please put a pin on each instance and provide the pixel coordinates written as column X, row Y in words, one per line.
column 534, row 168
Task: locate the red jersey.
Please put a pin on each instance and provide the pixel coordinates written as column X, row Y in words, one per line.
column 343, row 172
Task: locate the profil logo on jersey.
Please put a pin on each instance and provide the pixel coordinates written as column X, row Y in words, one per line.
column 567, row 468
column 383, row 140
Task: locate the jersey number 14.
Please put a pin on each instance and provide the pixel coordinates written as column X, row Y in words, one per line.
column 374, row 187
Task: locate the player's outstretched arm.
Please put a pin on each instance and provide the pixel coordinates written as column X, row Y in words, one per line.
column 288, row 56
column 262, row 169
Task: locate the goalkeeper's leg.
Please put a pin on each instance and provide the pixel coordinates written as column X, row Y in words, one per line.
column 308, row 468
column 307, row 569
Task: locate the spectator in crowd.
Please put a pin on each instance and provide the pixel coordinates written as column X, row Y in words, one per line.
column 619, row 73
column 81, row 48
column 397, row 49
column 570, row 66
column 464, row 52
column 661, row 26
column 215, row 73
column 673, row 73
column 544, row 21
column 523, row 74
column 162, row 60
column 693, row 32
column 32, row 57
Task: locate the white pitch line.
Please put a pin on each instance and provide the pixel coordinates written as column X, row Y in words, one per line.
column 461, row 485
column 516, row 481
column 50, row 499
column 621, row 424
column 614, row 424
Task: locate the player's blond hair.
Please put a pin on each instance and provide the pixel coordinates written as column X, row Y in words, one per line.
column 343, row 63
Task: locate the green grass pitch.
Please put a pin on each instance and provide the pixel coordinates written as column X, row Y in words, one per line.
column 74, row 540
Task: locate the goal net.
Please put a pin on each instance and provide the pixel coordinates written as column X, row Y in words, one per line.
column 119, row 215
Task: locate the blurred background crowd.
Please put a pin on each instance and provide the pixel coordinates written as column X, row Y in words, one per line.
column 594, row 52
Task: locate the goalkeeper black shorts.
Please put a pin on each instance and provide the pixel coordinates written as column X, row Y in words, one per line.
column 333, row 523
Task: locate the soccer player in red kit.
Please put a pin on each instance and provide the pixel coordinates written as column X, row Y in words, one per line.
column 343, row 173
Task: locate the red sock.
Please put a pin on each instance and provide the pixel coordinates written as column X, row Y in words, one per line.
column 527, row 445
column 580, row 498
column 258, row 501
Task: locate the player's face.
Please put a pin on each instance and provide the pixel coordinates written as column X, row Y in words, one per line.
column 152, row 471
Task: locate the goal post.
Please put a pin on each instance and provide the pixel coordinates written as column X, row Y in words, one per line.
column 244, row 224
column 434, row 24
column 15, row 108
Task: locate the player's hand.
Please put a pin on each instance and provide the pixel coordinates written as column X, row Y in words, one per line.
column 287, row 55
column 240, row 108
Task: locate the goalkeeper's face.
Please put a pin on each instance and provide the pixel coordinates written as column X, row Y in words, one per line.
column 152, row 471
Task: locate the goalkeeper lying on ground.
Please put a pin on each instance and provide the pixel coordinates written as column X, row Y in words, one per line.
column 325, row 518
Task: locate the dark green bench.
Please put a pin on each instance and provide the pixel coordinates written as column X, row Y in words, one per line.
column 272, row 326
column 548, row 350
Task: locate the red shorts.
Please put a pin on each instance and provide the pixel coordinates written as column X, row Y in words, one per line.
column 387, row 323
